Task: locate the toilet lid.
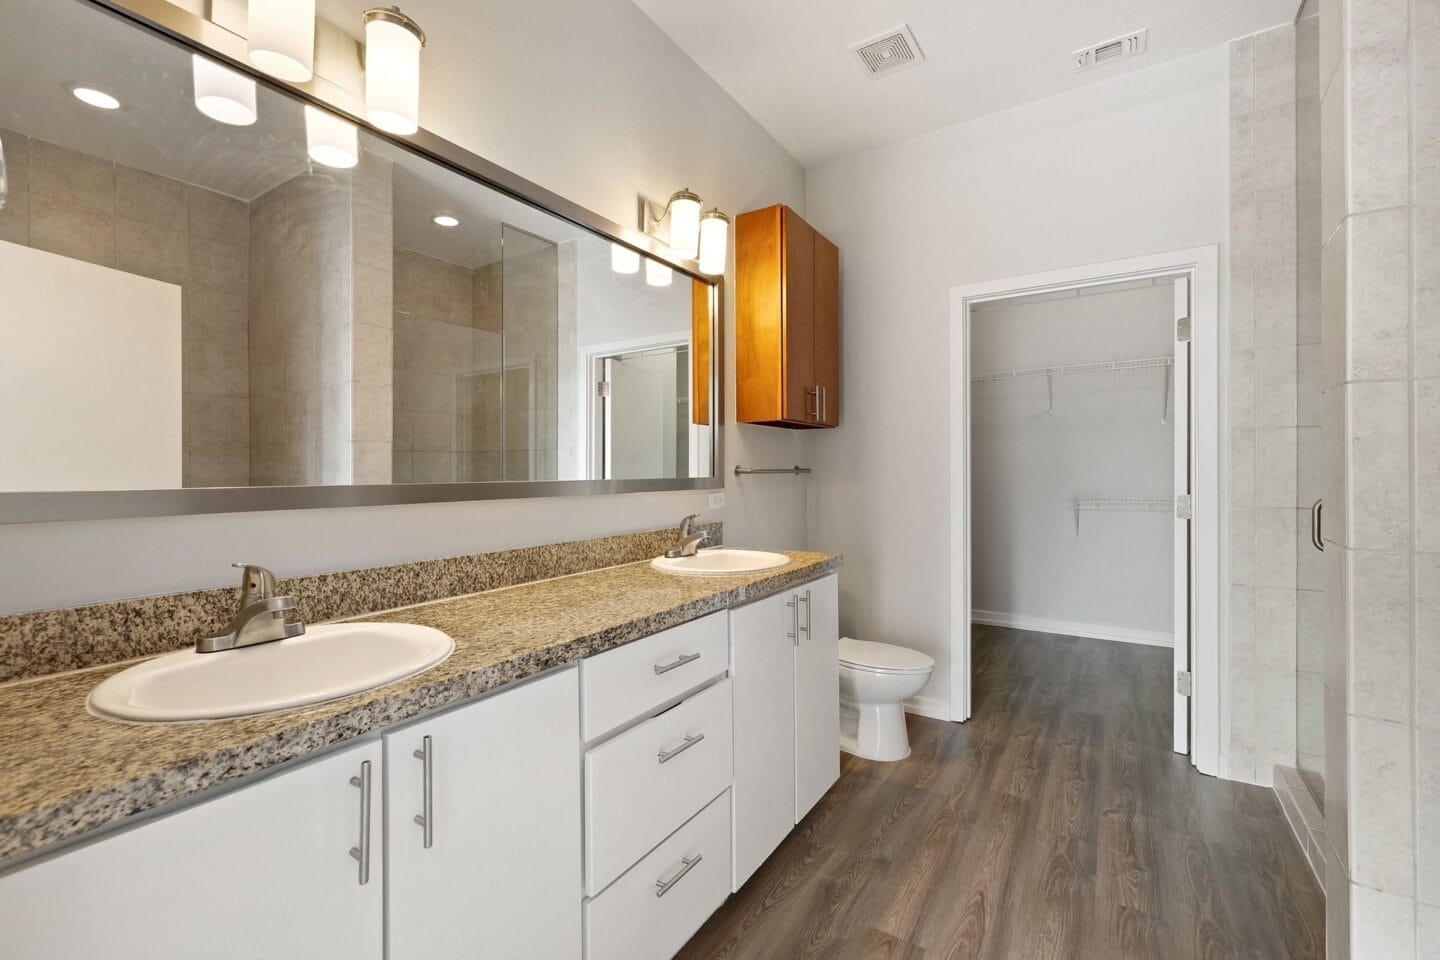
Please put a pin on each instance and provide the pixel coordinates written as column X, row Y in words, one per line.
column 883, row 657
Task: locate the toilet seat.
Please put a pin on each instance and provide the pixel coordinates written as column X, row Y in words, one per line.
column 877, row 657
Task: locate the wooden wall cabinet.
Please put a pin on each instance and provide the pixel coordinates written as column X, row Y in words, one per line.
column 787, row 321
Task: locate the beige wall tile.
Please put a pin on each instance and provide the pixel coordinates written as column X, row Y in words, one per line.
column 17, row 159
column 1334, row 175
column 152, row 250
column 371, row 240
column 151, row 198
column 1427, row 818
column 1379, row 634
column 373, row 356
column 80, row 180
column 1379, row 307
column 1378, row 140
column 1275, row 547
column 1382, row 810
column 214, row 216
column 372, row 295
column 1275, row 467
column 1427, row 465
column 1382, row 926
column 373, row 412
column 72, row 230
column 1379, row 465
column 1242, row 468
column 1427, row 640
column 15, row 218
column 373, row 462
column 1276, row 401
column 216, row 420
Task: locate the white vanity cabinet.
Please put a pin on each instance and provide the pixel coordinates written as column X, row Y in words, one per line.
column 262, row 873
column 785, row 672
column 483, row 828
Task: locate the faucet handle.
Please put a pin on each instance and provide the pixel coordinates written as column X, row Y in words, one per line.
column 688, row 524
column 256, row 584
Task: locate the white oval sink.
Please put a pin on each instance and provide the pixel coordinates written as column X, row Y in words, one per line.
column 325, row 662
column 720, row 561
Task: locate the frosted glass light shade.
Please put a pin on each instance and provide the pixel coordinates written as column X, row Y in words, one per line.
column 331, row 140
column 221, row 93
column 714, row 242
column 623, row 259
column 685, row 225
column 392, row 71
column 657, row 274
column 282, row 38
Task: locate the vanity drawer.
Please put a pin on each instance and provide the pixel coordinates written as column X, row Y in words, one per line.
column 627, row 681
column 642, row 785
column 661, row 901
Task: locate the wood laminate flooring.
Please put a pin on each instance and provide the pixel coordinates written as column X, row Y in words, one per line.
column 1056, row 823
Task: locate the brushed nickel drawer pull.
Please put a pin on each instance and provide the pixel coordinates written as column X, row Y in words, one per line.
column 663, row 668
column 426, row 820
column 362, row 852
column 794, row 604
column 662, row 887
column 667, row 756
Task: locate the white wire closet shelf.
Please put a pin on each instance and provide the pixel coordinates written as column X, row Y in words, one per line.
column 1070, row 369
column 1117, row 503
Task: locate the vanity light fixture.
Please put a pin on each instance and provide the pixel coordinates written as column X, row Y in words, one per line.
column 331, row 140
column 683, row 209
column 392, row 70
column 282, row 38
column 657, row 274
column 95, row 98
column 623, row 259
column 714, row 241
column 445, row 220
column 221, row 93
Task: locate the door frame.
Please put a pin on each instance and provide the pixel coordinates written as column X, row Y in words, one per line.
column 589, row 409
column 1202, row 266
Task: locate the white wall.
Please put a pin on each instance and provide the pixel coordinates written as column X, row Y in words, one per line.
column 1104, row 437
column 589, row 99
column 1124, row 167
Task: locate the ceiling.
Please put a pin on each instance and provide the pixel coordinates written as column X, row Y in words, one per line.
column 788, row 62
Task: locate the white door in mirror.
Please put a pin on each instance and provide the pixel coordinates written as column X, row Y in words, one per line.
column 325, row 662
column 720, row 561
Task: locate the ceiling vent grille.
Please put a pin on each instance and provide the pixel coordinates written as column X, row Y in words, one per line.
column 891, row 51
column 1120, row 48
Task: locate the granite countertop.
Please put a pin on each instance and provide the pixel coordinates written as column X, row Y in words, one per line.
column 64, row 772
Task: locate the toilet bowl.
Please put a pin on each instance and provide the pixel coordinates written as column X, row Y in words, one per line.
column 875, row 680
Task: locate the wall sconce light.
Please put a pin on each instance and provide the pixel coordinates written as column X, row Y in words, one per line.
column 657, row 274
column 714, row 241
column 282, row 38
column 683, row 209
column 392, row 70
column 623, row 259
column 221, row 93
column 331, row 140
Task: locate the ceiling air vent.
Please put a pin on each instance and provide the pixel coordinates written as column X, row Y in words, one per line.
column 888, row 52
column 1130, row 45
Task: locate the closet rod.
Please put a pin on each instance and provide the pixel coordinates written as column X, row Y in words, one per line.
column 748, row 471
column 1072, row 368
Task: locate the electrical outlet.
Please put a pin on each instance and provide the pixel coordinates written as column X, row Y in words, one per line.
column 717, row 499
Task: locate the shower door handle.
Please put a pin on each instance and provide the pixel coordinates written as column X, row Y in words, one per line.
column 1316, row 530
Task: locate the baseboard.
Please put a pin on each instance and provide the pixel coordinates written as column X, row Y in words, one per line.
column 932, row 707
column 1092, row 631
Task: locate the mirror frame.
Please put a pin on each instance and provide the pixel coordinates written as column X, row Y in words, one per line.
column 176, row 25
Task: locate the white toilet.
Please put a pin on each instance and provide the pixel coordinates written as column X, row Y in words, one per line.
column 875, row 679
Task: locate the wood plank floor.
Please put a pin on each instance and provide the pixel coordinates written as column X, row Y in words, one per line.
column 1057, row 823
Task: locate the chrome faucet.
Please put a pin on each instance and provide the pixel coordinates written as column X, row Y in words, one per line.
column 261, row 617
column 689, row 540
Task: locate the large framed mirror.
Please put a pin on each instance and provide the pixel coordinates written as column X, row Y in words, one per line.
column 200, row 316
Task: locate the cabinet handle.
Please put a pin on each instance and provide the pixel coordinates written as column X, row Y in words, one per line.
column 1317, row 536
column 667, row 756
column 684, row 658
column 426, row 820
column 794, row 604
column 814, row 414
column 824, row 403
column 662, row 887
column 362, row 852
column 806, row 628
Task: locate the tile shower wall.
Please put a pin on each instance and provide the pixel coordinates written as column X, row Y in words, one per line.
column 320, row 294
column 1264, row 413
column 80, row 206
column 1379, row 76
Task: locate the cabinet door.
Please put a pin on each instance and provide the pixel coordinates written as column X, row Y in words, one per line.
column 262, row 872
column 762, row 668
column 827, row 329
column 501, row 877
column 801, row 405
column 817, row 694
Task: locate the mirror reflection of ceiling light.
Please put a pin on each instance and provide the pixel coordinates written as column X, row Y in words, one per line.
column 623, row 259
column 392, row 70
column 95, row 98
column 331, row 140
column 657, row 274
column 445, row 220
column 282, row 38
column 221, row 93
column 714, row 241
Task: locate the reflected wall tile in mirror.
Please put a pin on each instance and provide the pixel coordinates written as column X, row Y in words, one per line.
column 83, row 181
column 72, row 230
column 152, row 250
column 151, row 198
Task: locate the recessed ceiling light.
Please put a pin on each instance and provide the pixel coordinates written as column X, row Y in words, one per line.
column 445, row 220
column 95, row 98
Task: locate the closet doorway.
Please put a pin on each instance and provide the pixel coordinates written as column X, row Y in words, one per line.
column 1084, row 464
